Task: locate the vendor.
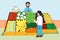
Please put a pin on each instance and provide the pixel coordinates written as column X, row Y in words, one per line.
column 27, row 9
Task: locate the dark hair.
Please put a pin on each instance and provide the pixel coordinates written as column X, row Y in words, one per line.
column 41, row 14
column 27, row 2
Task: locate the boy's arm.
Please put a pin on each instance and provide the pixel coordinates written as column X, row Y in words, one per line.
column 35, row 21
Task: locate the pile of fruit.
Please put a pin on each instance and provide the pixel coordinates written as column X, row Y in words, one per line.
column 47, row 18
column 30, row 17
column 21, row 15
column 21, row 22
column 20, row 25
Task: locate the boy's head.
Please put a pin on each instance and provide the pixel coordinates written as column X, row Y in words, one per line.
column 27, row 4
column 39, row 13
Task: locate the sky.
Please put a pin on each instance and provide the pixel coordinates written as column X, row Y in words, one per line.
column 46, row 6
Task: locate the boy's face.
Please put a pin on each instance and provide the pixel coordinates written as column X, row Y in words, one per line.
column 38, row 14
column 28, row 5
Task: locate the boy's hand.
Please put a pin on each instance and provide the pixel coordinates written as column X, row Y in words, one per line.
column 34, row 21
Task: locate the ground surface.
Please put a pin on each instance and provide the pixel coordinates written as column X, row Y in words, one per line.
column 45, row 36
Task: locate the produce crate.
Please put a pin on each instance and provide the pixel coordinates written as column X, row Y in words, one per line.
column 21, row 15
column 20, row 25
column 47, row 18
column 44, row 26
column 49, row 31
column 12, row 16
column 30, row 17
column 29, row 25
column 11, row 26
column 50, row 26
column 31, row 30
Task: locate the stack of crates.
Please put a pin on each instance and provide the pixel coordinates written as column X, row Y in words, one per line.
column 18, row 22
column 30, row 17
column 49, row 24
column 11, row 22
column 31, row 25
column 10, row 28
column 21, row 22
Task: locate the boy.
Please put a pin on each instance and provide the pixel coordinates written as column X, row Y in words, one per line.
column 27, row 9
column 39, row 23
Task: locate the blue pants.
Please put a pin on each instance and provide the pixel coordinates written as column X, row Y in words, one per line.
column 39, row 30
